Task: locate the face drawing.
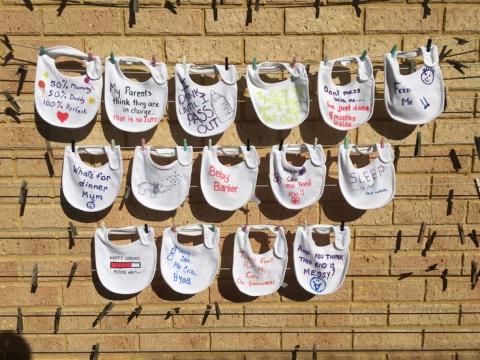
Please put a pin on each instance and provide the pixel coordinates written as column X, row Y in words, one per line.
column 317, row 284
column 427, row 75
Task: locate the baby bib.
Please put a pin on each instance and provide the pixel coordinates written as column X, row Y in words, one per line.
column 417, row 98
column 228, row 187
column 296, row 187
column 345, row 107
column 205, row 110
column 371, row 186
column 190, row 269
column 280, row 105
column 259, row 274
column 125, row 269
column 161, row 187
column 134, row 106
column 90, row 188
column 67, row 101
column 321, row 270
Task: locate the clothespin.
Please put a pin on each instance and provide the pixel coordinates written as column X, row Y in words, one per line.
column 112, row 58
column 254, row 63
column 444, row 279
column 382, row 142
column 280, row 146
column 345, row 142
column 34, row 281
column 476, row 140
column 461, row 233
column 477, row 185
column 305, row 224
column 418, row 145
column 248, row 144
column 154, row 60
column 185, row 145
column 364, row 54
column 342, row 225
column 315, row 142
column 145, row 228
column 58, row 315
column 72, row 232
column 244, row 227
column 103, row 313
column 135, row 313
column 22, row 198
column 90, row 56
column 461, row 41
column 113, row 145
column 257, row 5
column 73, row 270
column 142, row 142
column 206, row 314
column 12, row 101
column 474, row 274
column 19, row 321
column 316, row 5
column 41, row 50
column 421, row 234
column 426, row 9
column 325, row 55
column 226, row 63
column 174, row 228
column 217, row 310
column 212, row 227
column 307, row 68
column 294, row 62
column 394, row 50
column 7, row 43
column 95, row 352
column 73, row 145
column 209, row 144
column 355, row 4
column 126, row 195
column 429, row 45
column 184, row 60
column 455, row 161
column 457, row 65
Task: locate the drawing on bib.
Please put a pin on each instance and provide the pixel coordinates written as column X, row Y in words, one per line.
column 427, row 76
column 424, row 102
column 154, row 188
column 317, row 284
column 222, row 108
column 91, row 204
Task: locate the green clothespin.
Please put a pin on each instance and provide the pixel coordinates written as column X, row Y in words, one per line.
column 345, row 142
column 254, row 64
column 364, row 54
column 42, row 50
column 394, row 50
column 212, row 227
column 185, row 146
column 112, row 57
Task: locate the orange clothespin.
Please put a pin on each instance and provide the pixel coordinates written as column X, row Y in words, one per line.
column 382, row 142
column 154, row 60
column 143, row 143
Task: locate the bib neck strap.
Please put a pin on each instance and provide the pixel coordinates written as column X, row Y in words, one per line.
column 211, row 236
column 184, row 157
column 93, row 67
column 385, row 154
column 279, row 247
column 430, row 58
column 250, row 157
column 365, row 69
column 158, row 72
column 317, row 156
column 341, row 238
column 229, row 76
column 266, row 67
column 145, row 238
column 114, row 158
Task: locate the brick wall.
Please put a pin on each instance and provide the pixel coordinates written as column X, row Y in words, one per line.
column 382, row 311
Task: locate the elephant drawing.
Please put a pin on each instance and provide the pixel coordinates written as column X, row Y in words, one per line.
column 154, row 188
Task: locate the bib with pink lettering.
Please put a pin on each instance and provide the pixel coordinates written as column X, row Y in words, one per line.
column 135, row 106
column 345, row 107
column 296, row 187
column 67, row 101
column 371, row 186
column 321, row 270
column 257, row 274
column 228, row 187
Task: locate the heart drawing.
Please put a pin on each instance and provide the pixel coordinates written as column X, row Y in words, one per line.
column 62, row 116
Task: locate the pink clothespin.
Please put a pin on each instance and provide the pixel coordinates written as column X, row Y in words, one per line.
column 90, row 56
column 382, row 142
column 174, row 228
column 143, row 143
column 244, row 228
column 294, row 62
column 154, row 60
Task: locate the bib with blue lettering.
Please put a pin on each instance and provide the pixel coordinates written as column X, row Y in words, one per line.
column 67, row 101
column 416, row 98
column 205, row 110
column 345, row 107
column 190, row 269
column 89, row 188
column 371, row 186
column 125, row 269
column 321, row 270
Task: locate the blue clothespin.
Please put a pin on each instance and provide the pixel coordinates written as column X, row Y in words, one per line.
column 394, row 50
column 185, row 146
column 112, row 57
column 364, row 54
column 345, row 142
column 254, row 64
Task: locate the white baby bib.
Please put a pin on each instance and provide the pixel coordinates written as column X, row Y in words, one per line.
column 371, row 186
column 190, row 269
column 125, row 269
column 228, row 187
column 205, row 110
column 90, row 188
column 67, row 101
column 296, row 187
column 345, row 107
column 161, row 187
column 259, row 274
column 320, row 270
column 131, row 105
column 280, row 105
column 417, row 98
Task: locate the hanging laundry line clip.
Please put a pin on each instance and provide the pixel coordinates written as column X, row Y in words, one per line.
column 345, row 142
column 142, row 142
column 294, row 62
column 154, row 60
column 113, row 145
column 112, row 58
column 254, row 63
column 316, row 5
column 209, row 144
column 394, row 50
column 226, row 63
column 72, row 144
column 248, row 144
column 364, row 54
column 382, row 142
column 185, row 145
column 429, row 45
column 145, row 228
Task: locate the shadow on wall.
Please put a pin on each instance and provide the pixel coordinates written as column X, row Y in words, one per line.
column 14, row 347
